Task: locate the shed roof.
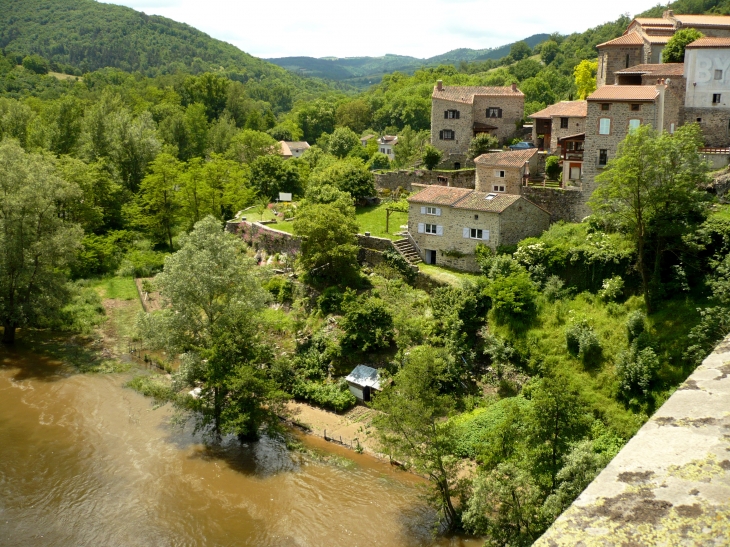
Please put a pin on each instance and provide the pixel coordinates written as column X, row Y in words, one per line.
column 466, row 94
column 365, row 376
column 509, row 158
column 439, row 195
column 576, row 137
column 658, row 69
column 624, row 93
column 570, row 109
column 630, row 39
column 708, row 42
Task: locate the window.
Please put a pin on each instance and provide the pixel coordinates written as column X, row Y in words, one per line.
column 628, row 59
column 634, row 125
column 635, row 107
column 716, row 98
column 671, row 128
column 457, row 165
column 442, row 180
column 602, row 157
column 499, row 174
column 498, row 188
column 451, row 114
column 430, row 210
column 605, row 106
column 446, row 135
column 476, row 233
column 494, row 112
column 604, row 126
column 476, row 217
column 718, row 74
column 575, row 173
column 564, row 123
column 431, row 229
column 699, row 120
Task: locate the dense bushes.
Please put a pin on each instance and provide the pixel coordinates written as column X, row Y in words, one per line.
column 368, row 325
column 280, row 288
column 335, row 396
column 582, row 342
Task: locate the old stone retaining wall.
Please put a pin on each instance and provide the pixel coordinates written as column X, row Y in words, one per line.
column 264, row 237
column 404, row 180
column 376, row 243
column 562, row 203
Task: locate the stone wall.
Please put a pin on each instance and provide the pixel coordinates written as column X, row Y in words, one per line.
column 715, row 124
column 670, row 484
column 612, row 59
column 562, row 203
column 513, row 111
column 522, row 219
column 404, row 180
column 263, row 237
column 673, row 100
column 487, row 179
column 575, row 126
column 375, row 243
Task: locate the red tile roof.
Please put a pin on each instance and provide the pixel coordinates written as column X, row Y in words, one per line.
column 708, row 42
column 510, row 158
column 703, row 20
column 466, row 94
column 630, row 39
column 477, row 201
column 624, row 93
column 569, row 109
column 663, row 69
column 653, row 22
column 439, row 195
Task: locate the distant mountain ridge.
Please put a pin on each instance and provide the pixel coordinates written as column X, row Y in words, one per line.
column 361, row 70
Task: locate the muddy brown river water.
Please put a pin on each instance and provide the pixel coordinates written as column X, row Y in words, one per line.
column 87, row 462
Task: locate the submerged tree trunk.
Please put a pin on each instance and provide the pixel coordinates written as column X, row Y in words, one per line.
column 9, row 333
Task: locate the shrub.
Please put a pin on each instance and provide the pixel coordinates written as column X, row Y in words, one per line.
column 635, row 369
column 330, row 300
column 35, row 63
column 431, row 156
column 368, row 325
column 635, row 325
column 552, row 167
column 379, row 161
column 336, row 396
column 612, row 289
column 554, row 289
column 481, row 144
column 582, row 342
column 280, row 288
column 514, row 299
column 398, row 262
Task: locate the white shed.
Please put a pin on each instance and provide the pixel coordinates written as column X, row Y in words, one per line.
column 362, row 381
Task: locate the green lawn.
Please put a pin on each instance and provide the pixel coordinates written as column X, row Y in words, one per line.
column 119, row 288
column 372, row 219
column 447, row 275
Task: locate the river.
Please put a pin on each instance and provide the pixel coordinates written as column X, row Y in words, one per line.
column 87, row 462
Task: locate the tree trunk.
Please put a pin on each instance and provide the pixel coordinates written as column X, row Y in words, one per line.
column 9, row 333
column 217, row 414
column 644, row 274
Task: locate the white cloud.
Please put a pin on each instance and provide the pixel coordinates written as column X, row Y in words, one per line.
column 345, row 28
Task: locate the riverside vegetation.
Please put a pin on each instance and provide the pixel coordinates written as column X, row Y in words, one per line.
column 509, row 391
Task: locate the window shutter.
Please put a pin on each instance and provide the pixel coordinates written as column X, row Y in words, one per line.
column 457, row 114
column 423, row 210
column 446, row 114
column 439, row 230
column 441, row 134
column 438, row 211
column 485, row 235
column 421, row 227
column 465, row 233
column 499, row 113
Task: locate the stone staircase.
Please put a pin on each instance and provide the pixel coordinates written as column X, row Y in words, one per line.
column 409, row 252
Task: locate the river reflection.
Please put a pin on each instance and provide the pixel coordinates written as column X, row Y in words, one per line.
column 86, row 462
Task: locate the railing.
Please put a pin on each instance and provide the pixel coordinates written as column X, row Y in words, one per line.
column 711, row 150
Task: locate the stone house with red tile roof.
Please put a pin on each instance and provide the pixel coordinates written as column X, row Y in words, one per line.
column 505, row 172
column 557, row 121
column 459, row 113
column 293, row 149
column 446, row 224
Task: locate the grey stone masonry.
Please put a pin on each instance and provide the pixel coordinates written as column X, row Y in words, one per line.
column 670, row 484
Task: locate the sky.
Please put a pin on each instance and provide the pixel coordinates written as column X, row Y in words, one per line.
column 351, row 28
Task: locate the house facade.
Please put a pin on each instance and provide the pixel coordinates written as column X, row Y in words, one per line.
column 505, row 172
column 460, row 113
column 386, row 145
column 293, row 149
column 446, row 224
column 557, row 121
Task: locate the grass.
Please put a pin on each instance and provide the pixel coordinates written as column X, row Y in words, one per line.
column 117, row 288
column 372, row 219
column 447, row 275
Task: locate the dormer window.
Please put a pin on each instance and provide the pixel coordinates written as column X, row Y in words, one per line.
column 451, row 114
column 494, row 112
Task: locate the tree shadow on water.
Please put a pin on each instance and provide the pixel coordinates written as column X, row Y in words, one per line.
column 44, row 356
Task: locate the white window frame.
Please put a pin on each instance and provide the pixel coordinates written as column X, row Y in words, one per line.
column 428, row 210
column 634, row 126
column 604, row 129
column 433, row 229
column 500, row 174
column 475, row 233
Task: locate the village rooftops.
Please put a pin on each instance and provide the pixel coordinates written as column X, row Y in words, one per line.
column 565, row 109
column 661, row 69
column 633, row 93
column 510, row 158
column 439, row 195
column 709, row 21
column 463, row 198
column 466, row 94
column 708, row 42
column 630, row 39
column 653, row 22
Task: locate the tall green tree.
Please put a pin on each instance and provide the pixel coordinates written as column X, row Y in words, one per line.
column 249, row 145
column 36, row 243
column 673, row 52
column 651, row 192
column 585, row 78
column 211, row 317
column 157, row 205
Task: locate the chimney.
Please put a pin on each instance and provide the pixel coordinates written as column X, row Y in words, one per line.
column 514, row 88
column 661, row 88
column 668, row 14
column 440, row 85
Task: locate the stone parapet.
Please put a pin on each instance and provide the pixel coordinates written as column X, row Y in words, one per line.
column 562, row 203
column 393, row 180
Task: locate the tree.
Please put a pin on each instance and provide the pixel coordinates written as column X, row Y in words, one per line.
column 553, row 167
column 481, row 144
column 520, row 50
column 673, row 52
column 157, row 204
column 431, row 157
column 342, row 141
column 549, row 51
column 249, row 145
column 585, row 78
column 354, row 114
column 36, row 244
column 651, row 192
column 212, row 299
column 379, row 161
column 368, row 325
column 349, row 175
column 329, row 248
column 36, row 64
column 273, row 174
column 413, row 428
column 211, row 90
column 410, row 147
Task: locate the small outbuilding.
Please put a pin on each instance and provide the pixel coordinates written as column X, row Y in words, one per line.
column 362, row 381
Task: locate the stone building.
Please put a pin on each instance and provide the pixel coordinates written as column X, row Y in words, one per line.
column 645, row 38
column 386, row 145
column 557, row 121
column 293, row 149
column 505, row 172
column 614, row 110
column 446, row 224
column 458, row 114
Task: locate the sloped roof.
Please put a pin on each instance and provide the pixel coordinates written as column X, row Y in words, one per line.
column 624, row 93
column 363, row 375
column 297, row 144
column 285, row 150
column 510, row 158
column 577, row 136
column 708, row 42
column 659, row 39
column 439, row 195
column 653, row 22
column 569, row 109
column 703, row 20
column 477, row 201
column 663, row 69
column 630, row 39
column 388, row 139
column 466, row 94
